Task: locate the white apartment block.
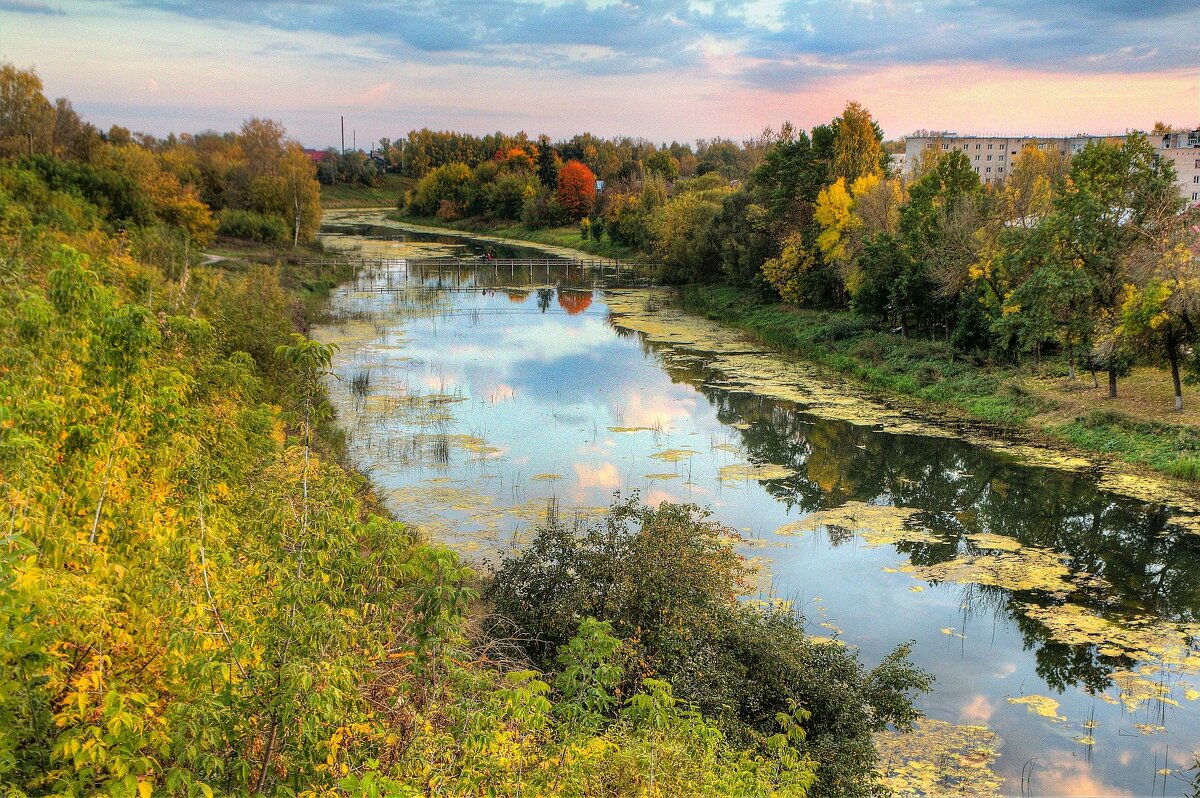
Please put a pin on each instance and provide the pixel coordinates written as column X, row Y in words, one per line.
column 992, row 157
column 1182, row 148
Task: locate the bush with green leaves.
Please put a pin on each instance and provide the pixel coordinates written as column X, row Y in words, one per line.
column 253, row 226
column 670, row 583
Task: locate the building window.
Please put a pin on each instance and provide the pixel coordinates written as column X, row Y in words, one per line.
column 977, row 157
column 977, row 146
column 1196, row 178
column 989, row 168
column 989, row 146
column 999, row 168
column 989, row 157
column 1198, row 163
column 945, row 146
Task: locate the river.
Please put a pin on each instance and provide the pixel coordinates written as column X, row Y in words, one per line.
column 1058, row 616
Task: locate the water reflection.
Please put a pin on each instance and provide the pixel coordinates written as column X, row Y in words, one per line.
column 483, row 406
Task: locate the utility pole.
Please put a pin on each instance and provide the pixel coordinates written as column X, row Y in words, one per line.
column 343, row 135
column 354, row 138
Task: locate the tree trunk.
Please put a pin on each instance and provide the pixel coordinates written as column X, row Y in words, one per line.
column 267, row 751
column 1071, row 363
column 1037, row 354
column 296, row 228
column 1173, row 358
column 1112, row 383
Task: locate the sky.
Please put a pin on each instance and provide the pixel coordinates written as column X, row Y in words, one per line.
column 659, row 70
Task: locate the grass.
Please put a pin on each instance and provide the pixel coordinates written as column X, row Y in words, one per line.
column 568, row 237
column 388, row 193
column 312, row 284
column 1140, row 428
column 1170, row 448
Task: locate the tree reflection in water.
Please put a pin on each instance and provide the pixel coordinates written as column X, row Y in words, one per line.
column 962, row 490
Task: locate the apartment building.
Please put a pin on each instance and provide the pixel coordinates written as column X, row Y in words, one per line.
column 1182, row 148
column 992, row 157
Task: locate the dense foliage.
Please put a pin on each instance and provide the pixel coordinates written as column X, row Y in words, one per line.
column 1092, row 257
column 669, row 582
column 198, row 598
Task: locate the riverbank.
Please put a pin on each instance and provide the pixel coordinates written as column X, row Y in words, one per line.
column 387, row 193
column 563, row 237
column 1138, row 428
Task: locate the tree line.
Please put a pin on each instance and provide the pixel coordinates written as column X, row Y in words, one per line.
column 255, row 183
column 1091, row 257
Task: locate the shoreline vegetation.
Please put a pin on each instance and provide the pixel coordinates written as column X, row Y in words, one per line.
column 1139, row 429
column 198, row 596
column 1071, row 412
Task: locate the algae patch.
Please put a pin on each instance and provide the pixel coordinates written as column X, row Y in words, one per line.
column 1039, row 705
column 674, row 455
column 743, row 472
column 938, row 758
column 876, row 524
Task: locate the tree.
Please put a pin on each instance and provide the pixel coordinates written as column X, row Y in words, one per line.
column 262, row 142
column 790, row 273
column 662, row 164
column 678, row 228
column 448, row 188
column 549, row 162
column 1028, row 191
column 938, row 200
column 857, row 144
column 576, row 189
column 1115, row 197
column 1161, row 305
column 302, row 192
column 26, row 116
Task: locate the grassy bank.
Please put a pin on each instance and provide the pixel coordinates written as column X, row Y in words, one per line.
column 1132, row 429
column 555, row 236
column 311, row 284
column 387, row 194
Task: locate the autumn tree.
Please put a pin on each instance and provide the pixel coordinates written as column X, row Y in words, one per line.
column 1027, row 194
column 576, row 189
column 847, row 217
column 298, row 179
column 939, row 200
column 1115, row 197
column 857, row 144
column 26, row 116
column 1161, row 305
column 663, row 165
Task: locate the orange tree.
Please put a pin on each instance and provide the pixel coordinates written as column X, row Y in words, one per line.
column 576, row 189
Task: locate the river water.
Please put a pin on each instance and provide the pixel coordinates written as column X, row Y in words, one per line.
column 1059, row 619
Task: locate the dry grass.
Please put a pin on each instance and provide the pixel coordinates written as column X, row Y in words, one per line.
column 1145, row 395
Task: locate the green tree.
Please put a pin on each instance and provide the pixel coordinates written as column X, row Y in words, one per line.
column 857, row 144
column 1114, row 197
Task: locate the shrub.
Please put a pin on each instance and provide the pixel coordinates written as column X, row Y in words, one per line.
column 543, row 210
column 452, row 182
column 668, row 580
column 253, row 226
column 841, row 327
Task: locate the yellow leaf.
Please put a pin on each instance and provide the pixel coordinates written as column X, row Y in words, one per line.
column 144, row 789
